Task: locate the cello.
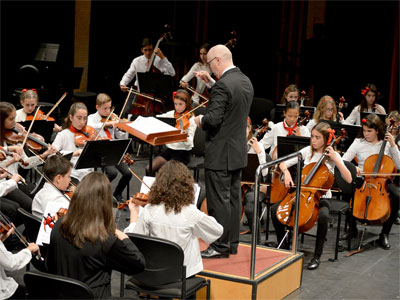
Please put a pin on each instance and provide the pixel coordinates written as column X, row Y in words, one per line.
column 371, row 201
column 316, row 180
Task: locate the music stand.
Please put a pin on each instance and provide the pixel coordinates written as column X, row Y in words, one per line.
column 42, row 127
column 280, row 108
column 290, row 144
column 169, row 121
column 352, row 132
column 364, row 115
column 248, row 172
column 158, row 84
column 102, row 153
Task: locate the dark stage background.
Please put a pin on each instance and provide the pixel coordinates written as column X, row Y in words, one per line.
column 357, row 46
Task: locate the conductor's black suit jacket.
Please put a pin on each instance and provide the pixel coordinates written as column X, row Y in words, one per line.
column 225, row 121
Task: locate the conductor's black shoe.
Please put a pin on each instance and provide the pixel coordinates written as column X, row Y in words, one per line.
column 384, row 241
column 314, row 263
column 212, row 253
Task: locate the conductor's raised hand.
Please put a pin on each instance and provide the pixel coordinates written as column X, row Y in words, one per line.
column 203, row 75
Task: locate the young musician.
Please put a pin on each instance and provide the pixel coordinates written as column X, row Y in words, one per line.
column 321, row 136
column 9, row 288
column 291, row 93
column 75, row 122
column 288, row 126
column 326, row 110
column 201, row 65
column 58, row 170
column 29, row 100
column 180, row 151
column 96, row 120
column 85, row 244
column 369, row 103
column 171, row 214
column 368, row 143
column 394, row 115
column 11, row 163
column 255, row 147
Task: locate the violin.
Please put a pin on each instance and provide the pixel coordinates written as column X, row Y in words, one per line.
column 306, row 118
column 231, row 43
column 6, row 225
column 340, row 107
column 257, row 132
column 139, row 199
column 40, row 116
column 70, row 190
column 8, row 153
column 11, row 174
column 302, row 97
column 316, row 180
column 34, row 141
column 88, row 133
column 371, row 201
column 182, row 120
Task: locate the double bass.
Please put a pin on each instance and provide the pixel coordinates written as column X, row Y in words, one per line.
column 371, row 201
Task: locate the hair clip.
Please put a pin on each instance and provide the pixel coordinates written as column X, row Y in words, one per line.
column 365, row 91
column 25, row 90
column 331, row 136
column 364, row 121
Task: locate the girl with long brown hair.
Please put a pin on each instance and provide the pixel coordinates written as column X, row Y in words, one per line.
column 85, row 244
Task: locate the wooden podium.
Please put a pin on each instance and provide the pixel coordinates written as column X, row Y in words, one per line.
column 155, row 138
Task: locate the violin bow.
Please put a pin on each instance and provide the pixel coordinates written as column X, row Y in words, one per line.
column 55, row 105
column 11, row 174
column 126, row 101
column 30, row 127
column 200, row 105
column 104, row 124
column 51, row 183
column 145, row 95
column 137, row 176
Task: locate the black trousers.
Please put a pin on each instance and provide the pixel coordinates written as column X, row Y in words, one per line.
column 249, row 208
column 111, row 173
column 9, row 208
column 21, row 198
column 394, row 194
column 322, row 225
column 224, row 204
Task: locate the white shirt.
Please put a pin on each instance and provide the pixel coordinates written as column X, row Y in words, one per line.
column 306, row 154
column 94, row 120
column 261, row 156
column 7, row 186
column 354, row 117
column 270, row 139
column 65, row 141
column 11, row 262
column 184, row 228
column 47, row 194
column 20, row 115
column 139, row 65
column 188, row 145
column 362, row 149
column 200, row 85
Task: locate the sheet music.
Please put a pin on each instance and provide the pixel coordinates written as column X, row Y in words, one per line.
column 44, row 232
column 150, row 180
column 149, row 125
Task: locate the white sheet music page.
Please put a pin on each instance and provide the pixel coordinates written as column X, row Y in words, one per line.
column 149, row 125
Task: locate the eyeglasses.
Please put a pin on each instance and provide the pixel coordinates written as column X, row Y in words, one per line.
column 209, row 62
column 329, row 109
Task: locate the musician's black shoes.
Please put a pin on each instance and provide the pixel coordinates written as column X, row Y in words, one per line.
column 384, row 241
column 314, row 263
column 212, row 253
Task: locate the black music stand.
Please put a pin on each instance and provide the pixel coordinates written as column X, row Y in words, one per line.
column 102, row 153
column 364, row 115
column 280, row 108
column 290, row 144
column 352, row 133
column 158, row 84
column 169, row 121
column 42, row 127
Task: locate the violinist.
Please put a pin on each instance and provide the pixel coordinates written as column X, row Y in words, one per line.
column 201, row 65
column 321, row 136
column 369, row 142
column 394, row 114
column 291, row 93
column 75, row 125
column 29, row 99
column 57, row 169
column 326, row 110
column 141, row 63
column 8, row 113
column 9, row 288
column 256, row 147
column 96, row 120
column 369, row 103
column 180, row 151
column 85, row 243
column 289, row 126
column 171, row 214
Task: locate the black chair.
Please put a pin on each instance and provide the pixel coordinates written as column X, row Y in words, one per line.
column 342, row 206
column 165, row 273
column 260, row 108
column 41, row 285
column 197, row 160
